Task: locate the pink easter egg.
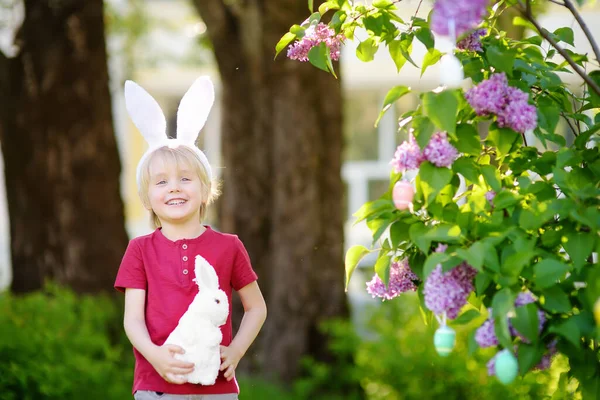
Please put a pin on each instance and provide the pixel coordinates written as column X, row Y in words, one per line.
column 403, row 194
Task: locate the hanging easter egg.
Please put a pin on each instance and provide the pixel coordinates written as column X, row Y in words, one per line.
column 451, row 71
column 597, row 311
column 403, row 194
column 444, row 340
column 506, row 367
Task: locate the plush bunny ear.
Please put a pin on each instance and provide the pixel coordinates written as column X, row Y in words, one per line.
column 194, row 108
column 145, row 113
column 206, row 277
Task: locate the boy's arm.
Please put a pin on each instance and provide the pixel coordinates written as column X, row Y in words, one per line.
column 161, row 357
column 255, row 313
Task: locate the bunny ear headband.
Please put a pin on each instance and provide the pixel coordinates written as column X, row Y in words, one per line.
column 191, row 116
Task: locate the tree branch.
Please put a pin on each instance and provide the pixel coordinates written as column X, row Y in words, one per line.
column 526, row 11
column 569, row 4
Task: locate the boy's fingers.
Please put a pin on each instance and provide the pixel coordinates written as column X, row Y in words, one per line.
column 182, row 371
column 175, row 349
column 176, row 379
column 230, row 372
column 224, row 365
column 183, row 364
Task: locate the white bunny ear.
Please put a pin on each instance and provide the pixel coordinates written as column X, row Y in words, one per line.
column 145, row 112
column 194, row 108
column 206, row 277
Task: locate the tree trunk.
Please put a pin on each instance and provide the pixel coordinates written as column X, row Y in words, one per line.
column 282, row 194
column 61, row 162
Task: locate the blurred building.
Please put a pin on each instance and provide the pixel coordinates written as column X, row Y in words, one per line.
column 168, row 56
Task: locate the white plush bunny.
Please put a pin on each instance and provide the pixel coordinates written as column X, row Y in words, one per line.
column 198, row 331
column 191, row 116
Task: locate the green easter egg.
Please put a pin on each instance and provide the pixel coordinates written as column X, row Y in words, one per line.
column 444, row 340
column 506, row 367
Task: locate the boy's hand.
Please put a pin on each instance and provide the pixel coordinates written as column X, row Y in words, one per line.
column 164, row 362
column 230, row 357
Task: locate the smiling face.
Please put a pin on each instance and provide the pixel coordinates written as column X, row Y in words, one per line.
column 175, row 191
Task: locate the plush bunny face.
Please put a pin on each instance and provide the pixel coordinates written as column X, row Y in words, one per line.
column 211, row 302
column 191, row 116
column 211, row 305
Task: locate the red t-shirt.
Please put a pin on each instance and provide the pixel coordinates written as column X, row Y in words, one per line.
column 165, row 269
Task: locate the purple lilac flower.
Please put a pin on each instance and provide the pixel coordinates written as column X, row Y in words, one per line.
column 408, row 155
column 441, row 248
column 519, row 116
column 439, row 151
column 465, row 14
column 485, row 336
column 491, row 366
column 510, row 104
column 313, row 37
column 522, row 299
column 448, row 292
column 490, row 96
column 401, row 280
column 489, row 196
column 547, row 358
column 472, row 42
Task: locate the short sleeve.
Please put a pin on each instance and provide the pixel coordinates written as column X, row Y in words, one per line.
column 242, row 273
column 131, row 272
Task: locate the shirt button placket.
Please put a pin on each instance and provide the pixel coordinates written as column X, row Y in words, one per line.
column 185, row 270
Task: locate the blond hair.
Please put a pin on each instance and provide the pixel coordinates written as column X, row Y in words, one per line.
column 179, row 157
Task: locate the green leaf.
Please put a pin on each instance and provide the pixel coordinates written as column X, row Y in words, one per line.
column 382, row 268
column 444, row 233
column 520, row 21
column 319, row 56
column 423, row 129
column 548, row 117
column 556, row 300
column 390, row 98
column 433, row 179
column 569, row 330
column 417, row 233
column 505, row 199
column 353, row 257
column 310, row 5
column 432, row 56
column 441, row 108
column 283, row 42
column 474, row 255
column 468, row 139
column 466, row 317
column 526, row 321
column 594, row 97
column 565, row 34
column 492, row 177
column 399, row 233
column 425, row 36
column 502, row 304
column 432, row 261
column 529, row 355
column 467, row 168
column 384, row 4
column 548, row 272
column 366, row 50
column 501, row 59
column 328, row 5
column 482, row 282
column 373, row 208
column 579, row 246
column 400, row 51
column 503, row 139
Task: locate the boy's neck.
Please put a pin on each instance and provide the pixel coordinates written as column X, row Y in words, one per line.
column 185, row 231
